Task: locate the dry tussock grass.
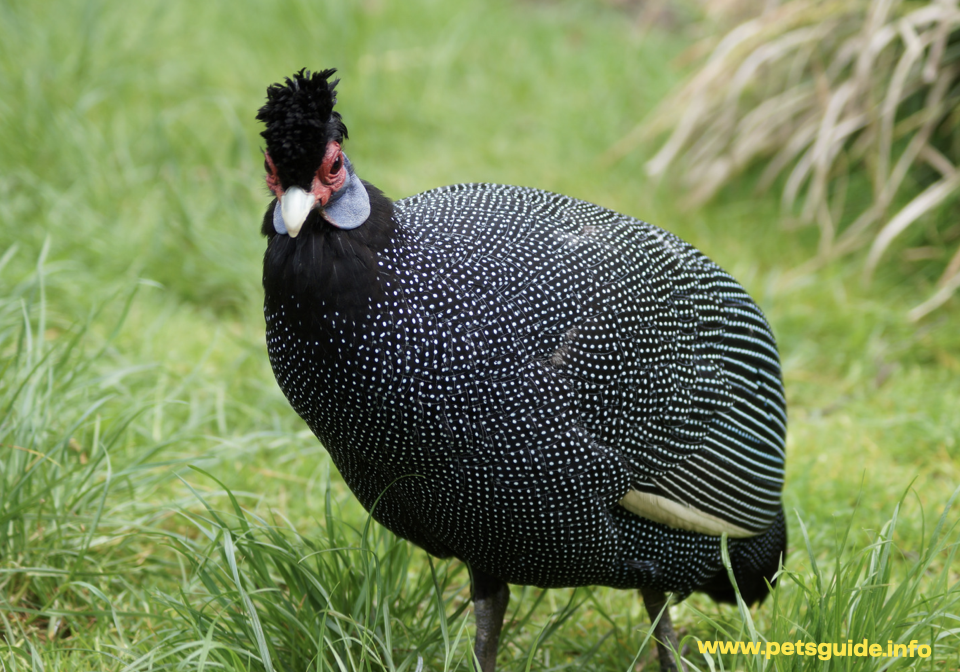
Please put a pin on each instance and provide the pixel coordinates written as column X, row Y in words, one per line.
column 818, row 91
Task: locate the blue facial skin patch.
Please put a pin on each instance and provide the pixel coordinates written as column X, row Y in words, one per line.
column 349, row 207
column 278, row 225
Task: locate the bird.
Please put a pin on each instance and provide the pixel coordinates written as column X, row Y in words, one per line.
column 554, row 393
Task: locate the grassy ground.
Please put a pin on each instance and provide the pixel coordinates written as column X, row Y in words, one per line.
column 160, row 504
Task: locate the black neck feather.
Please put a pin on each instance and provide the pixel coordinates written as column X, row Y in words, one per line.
column 326, row 274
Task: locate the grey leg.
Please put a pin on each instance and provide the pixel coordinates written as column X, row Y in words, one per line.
column 655, row 601
column 490, row 597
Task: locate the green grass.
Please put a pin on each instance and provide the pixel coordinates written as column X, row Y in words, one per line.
column 157, row 492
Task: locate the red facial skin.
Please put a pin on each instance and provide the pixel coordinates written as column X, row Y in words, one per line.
column 329, row 178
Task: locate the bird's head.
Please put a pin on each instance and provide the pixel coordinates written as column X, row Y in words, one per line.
column 306, row 167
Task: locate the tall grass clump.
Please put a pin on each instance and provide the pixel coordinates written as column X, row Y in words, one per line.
column 850, row 107
column 56, row 442
column 262, row 596
column 77, row 464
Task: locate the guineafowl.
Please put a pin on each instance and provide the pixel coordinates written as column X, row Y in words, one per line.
column 554, row 393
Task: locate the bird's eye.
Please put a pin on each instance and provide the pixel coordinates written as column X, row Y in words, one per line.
column 337, row 165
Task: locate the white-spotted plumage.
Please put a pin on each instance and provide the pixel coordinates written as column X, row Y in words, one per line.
column 531, row 360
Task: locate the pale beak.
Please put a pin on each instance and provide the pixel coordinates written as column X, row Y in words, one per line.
column 295, row 205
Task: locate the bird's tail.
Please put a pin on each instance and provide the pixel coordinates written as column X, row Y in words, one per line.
column 755, row 562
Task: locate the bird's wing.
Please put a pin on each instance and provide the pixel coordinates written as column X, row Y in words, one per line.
column 673, row 365
column 677, row 369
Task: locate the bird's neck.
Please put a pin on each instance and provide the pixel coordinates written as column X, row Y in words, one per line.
column 327, row 273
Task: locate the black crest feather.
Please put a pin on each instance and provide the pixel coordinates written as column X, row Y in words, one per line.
column 300, row 121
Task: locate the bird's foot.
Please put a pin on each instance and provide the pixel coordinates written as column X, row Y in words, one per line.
column 668, row 648
column 490, row 597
